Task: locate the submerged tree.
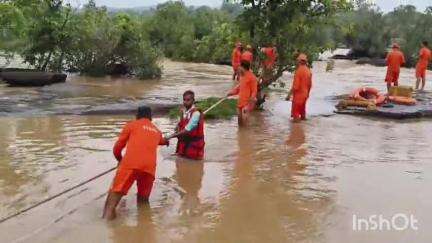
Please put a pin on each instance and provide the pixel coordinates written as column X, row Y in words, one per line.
column 289, row 25
column 105, row 44
column 47, row 35
column 13, row 25
column 365, row 31
column 410, row 28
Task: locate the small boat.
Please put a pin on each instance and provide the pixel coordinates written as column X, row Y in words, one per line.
column 34, row 78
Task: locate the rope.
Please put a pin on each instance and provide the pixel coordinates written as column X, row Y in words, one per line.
column 213, row 106
column 55, row 196
column 56, row 220
column 181, row 191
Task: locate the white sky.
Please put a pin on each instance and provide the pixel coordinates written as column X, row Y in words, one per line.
column 385, row 5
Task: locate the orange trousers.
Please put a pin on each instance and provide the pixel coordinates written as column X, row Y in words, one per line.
column 125, row 178
column 392, row 77
column 421, row 72
column 298, row 109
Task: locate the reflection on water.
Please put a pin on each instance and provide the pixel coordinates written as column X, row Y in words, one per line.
column 273, row 181
column 189, row 175
column 142, row 229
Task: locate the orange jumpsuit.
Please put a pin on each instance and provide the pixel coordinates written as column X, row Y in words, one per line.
column 270, row 60
column 247, row 56
column 142, row 138
column 236, row 59
column 395, row 59
column 301, row 87
column 246, row 90
column 423, row 63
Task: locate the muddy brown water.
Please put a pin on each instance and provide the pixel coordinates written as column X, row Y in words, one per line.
column 271, row 182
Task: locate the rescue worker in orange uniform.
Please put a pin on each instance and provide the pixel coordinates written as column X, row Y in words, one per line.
column 190, row 130
column 424, row 57
column 300, row 89
column 268, row 63
column 395, row 59
column 247, row 55
column 138, row 164
column 236, row 60
column 247, row 92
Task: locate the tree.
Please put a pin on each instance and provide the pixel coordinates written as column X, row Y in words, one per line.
column 365, row 31
column 12, row 30
column 103, row 44
column 47, row 33
column 289, row 25
column 409, row 27
column 172, row 30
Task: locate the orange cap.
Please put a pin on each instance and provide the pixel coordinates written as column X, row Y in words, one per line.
column 302, row 57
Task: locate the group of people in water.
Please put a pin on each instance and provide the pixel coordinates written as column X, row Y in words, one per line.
column 395, row 59
column 142, row 137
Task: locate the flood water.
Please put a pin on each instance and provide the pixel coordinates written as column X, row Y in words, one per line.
column 271, row 182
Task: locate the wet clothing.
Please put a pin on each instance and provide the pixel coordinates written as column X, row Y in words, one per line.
column 424, row 57
column 192, row 144
column 236, row 58
column 392, row 77
column 298, row 109
column 395, row 59
column 270, row 53
column 246, row 90
column 301, row 87
column 142, row 138
column 125, row 178
column 194, row 121
column 247, row 56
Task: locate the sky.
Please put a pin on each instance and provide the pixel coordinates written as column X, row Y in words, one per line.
column 385, row 5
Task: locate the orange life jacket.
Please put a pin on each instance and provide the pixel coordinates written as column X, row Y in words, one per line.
column 192, row 144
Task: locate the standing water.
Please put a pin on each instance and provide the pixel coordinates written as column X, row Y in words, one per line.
column 271, row 182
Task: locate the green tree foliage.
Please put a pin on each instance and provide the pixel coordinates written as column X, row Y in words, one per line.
column 370, row 33
column 217, row 46
column 47, row 33
column 290, row 25
column 171, row 28
column 409, row 27
column 103, row 42
column 55, row 37
column 94, row 39
column 12, row 24
column 50, row 35
column 364, row 31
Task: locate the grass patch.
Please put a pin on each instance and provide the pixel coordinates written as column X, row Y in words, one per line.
column 225, row 110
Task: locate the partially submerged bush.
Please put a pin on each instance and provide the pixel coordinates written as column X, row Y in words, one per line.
column 225, row 110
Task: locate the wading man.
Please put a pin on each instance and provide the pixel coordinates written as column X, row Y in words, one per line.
column 422, row 65
column 236, row 60
column 142, row 138
column 247, row 55
column 300, row 90
column 395, row 59
column 247, row 92
column 268, row 63
column 190, row 130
